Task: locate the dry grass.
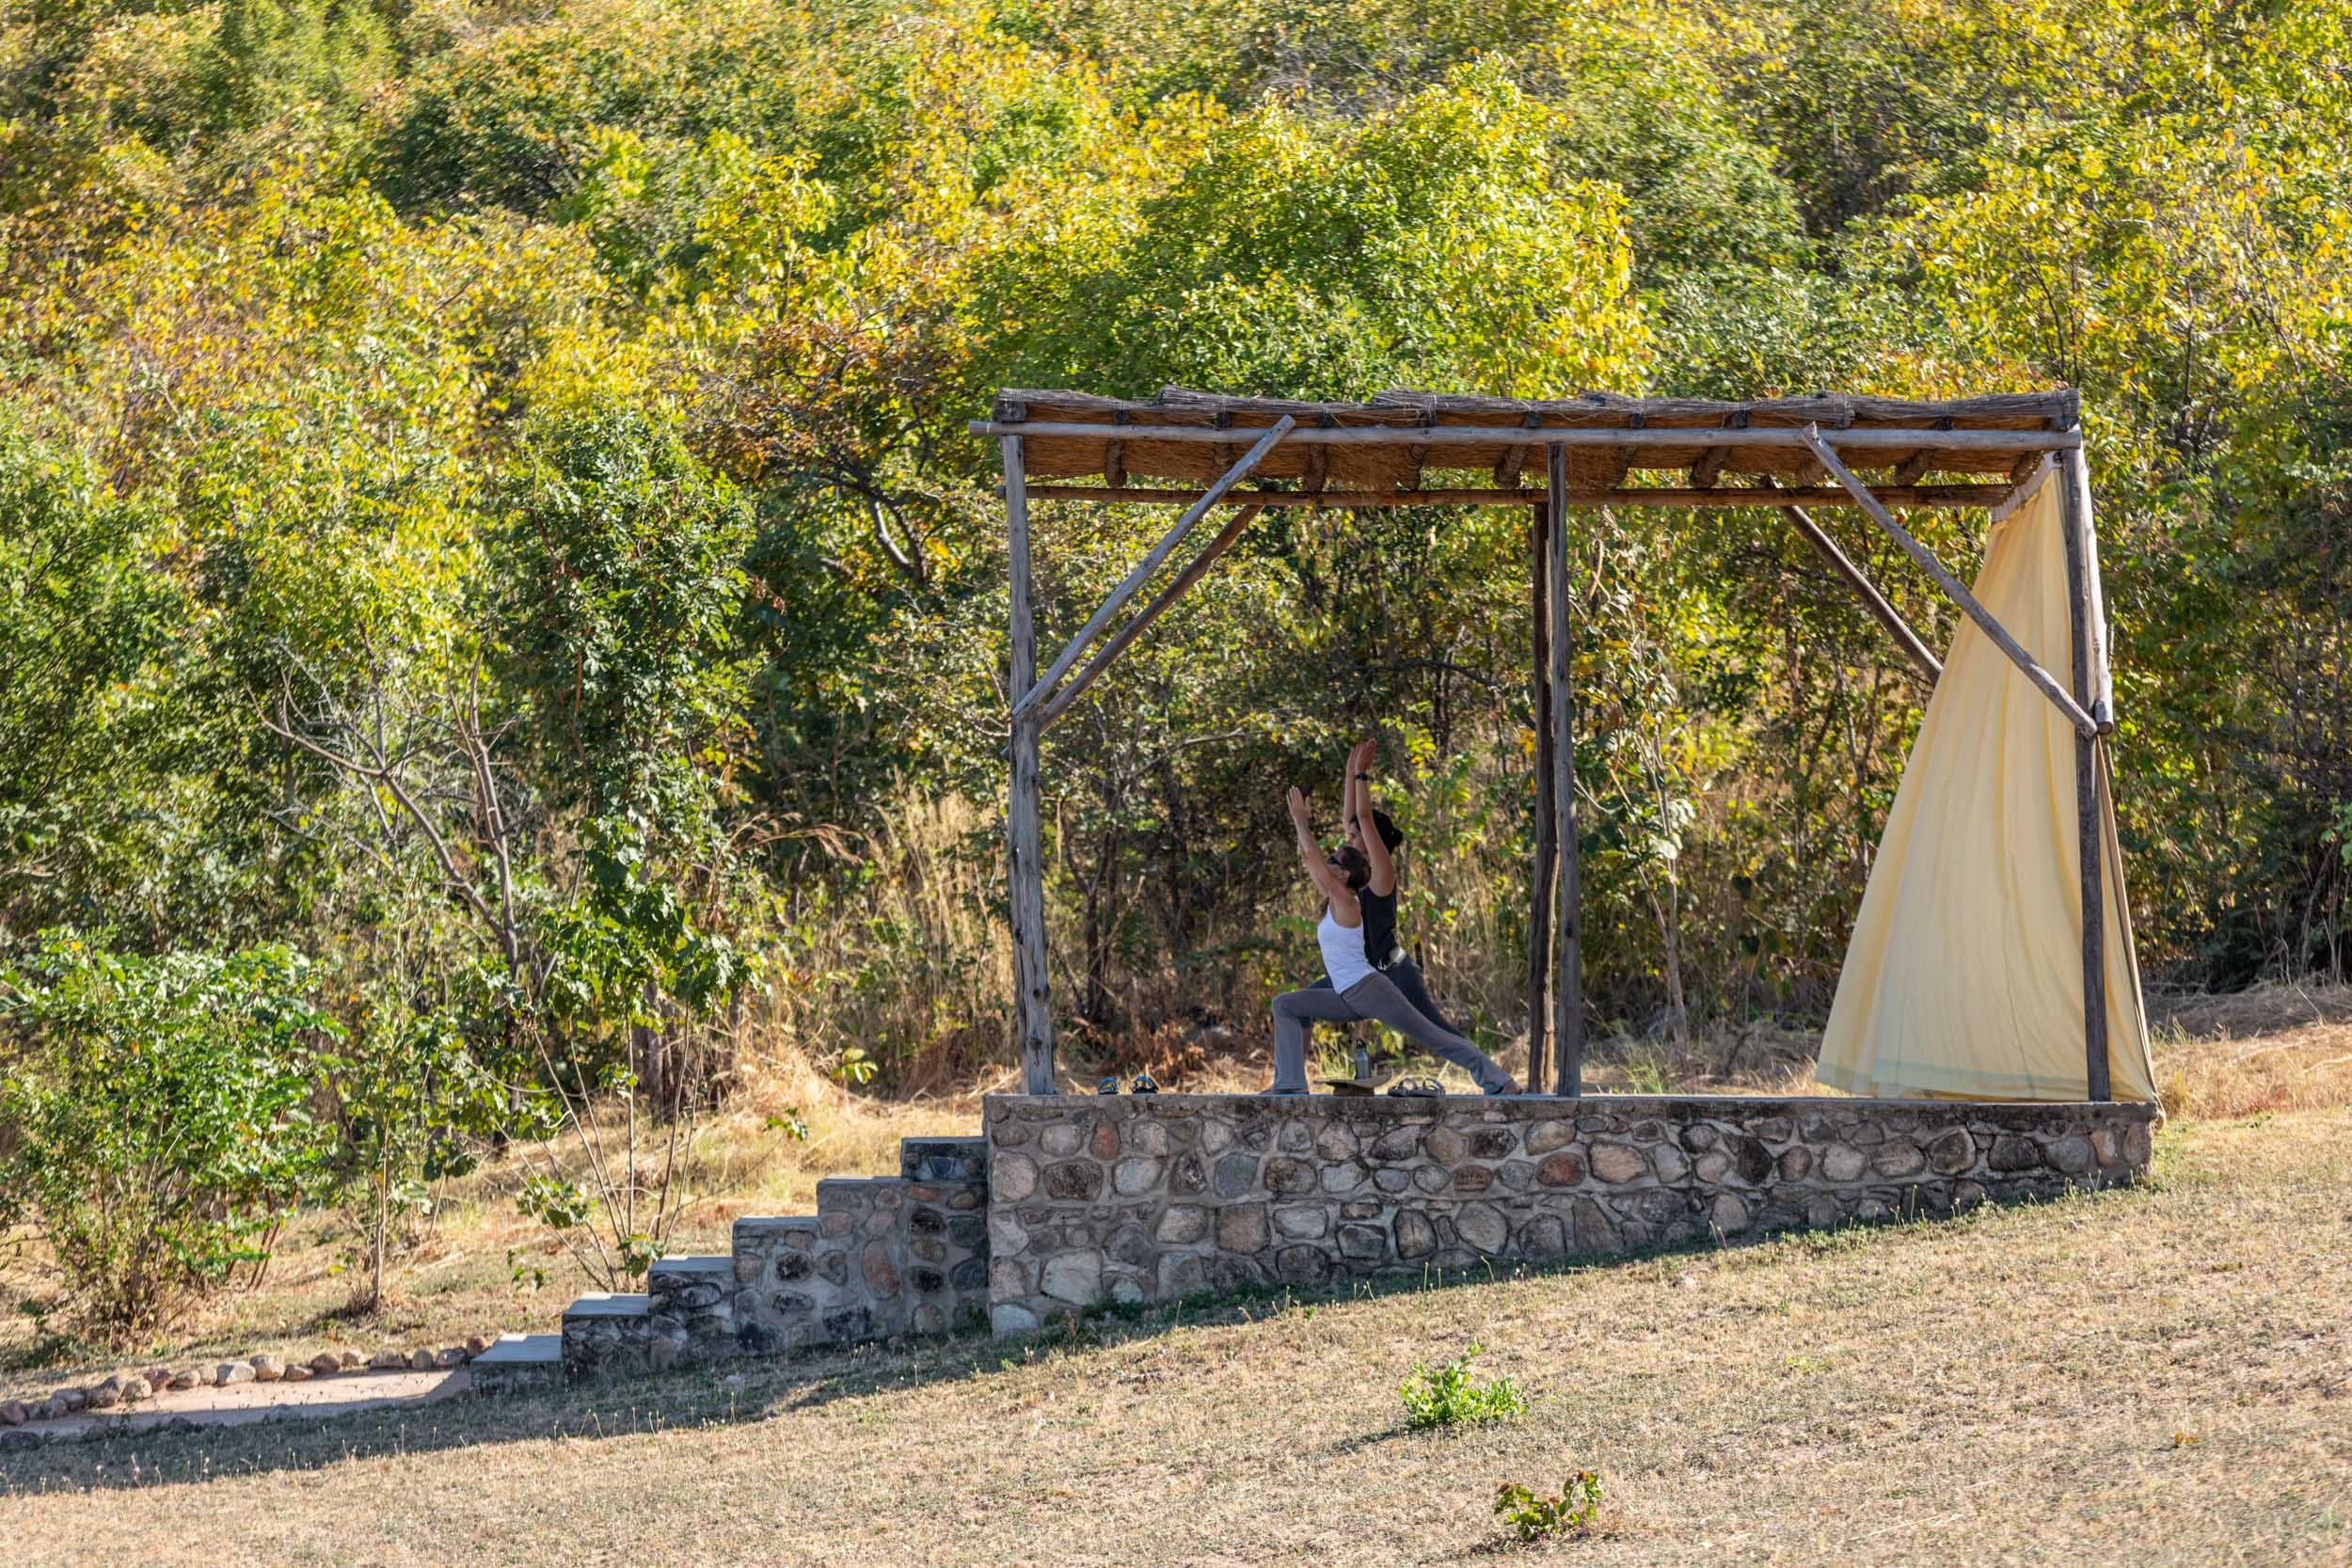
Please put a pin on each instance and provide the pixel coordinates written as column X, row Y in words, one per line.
column 2275, row 1048
column 2160, row 1376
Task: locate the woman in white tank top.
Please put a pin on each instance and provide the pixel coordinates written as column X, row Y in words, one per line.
column 1356, row 990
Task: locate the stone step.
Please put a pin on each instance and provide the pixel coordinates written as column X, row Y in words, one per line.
column 607, row 1332
column 858, row 1193
column 682, row 1286
column 943, row 1159
column 692, row 1311
column 773, row 1225
column 518, row 1361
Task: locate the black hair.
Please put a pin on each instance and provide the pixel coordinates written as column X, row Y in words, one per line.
column 1353, row 866
column 1390, row 834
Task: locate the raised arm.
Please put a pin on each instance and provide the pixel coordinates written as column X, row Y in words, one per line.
column 1359, row 805
column 1326, row 875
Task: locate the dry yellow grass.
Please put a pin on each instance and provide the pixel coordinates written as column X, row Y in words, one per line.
column 2163, row 1375
column 2275, row 1047
column 2157, row 1376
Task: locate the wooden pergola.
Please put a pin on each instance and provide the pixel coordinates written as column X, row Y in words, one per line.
column 1595, row 450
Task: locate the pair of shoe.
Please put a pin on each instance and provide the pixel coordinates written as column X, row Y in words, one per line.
column 1143, row 1085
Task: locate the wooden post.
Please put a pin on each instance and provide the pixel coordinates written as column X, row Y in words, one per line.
column 2082, row 605
column 1567, row 979
column 1024, row 863
column 1547, row 834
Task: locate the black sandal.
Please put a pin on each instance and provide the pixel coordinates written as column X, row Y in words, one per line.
column 1417, row 1088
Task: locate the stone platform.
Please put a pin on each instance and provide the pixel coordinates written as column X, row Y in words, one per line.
column 1136, row 1199
column 1071, row 1201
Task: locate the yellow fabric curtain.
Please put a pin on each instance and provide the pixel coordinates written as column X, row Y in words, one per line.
column 1965, row 977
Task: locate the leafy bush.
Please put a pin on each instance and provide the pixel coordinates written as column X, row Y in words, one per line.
column 160, row 1113
column 1532, row 1516
column 1447, row 1396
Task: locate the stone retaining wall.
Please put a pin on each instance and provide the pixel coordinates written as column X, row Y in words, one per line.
column 1146, row 1199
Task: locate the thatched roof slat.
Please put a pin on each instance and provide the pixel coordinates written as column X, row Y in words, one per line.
column 1380, row 464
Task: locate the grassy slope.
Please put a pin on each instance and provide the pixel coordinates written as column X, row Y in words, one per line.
column 2157, row 1376
column 462, row 1280
column 2273, row 1049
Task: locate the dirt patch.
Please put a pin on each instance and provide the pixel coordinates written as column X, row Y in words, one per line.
column 243, row 1404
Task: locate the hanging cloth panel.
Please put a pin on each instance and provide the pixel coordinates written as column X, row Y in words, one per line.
column 1965, row 975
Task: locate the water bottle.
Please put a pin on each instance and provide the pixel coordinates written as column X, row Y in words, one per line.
column 1363, row 1063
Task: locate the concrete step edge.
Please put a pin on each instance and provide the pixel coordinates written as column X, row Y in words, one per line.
column 522, row 1350
column 716, row 1262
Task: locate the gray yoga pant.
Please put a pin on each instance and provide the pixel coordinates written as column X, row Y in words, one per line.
column 1379, row 997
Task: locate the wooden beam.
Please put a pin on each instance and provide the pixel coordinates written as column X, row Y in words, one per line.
column 1886, row 614
column 1951, row 585
column 1941, row 495
column 1115, row 463
column 1136, row 623
column 1547, row 834
column 2090, row 828
column 1150, row 563
column 1709, row 468
column 1567, row 979
column 1507, row 466
column 1024, row 863
column 1878, row 439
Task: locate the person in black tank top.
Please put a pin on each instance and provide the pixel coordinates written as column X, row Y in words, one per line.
column 1371, row 832
column 1354, row 990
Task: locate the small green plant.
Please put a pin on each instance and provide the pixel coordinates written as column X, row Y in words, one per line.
column 1649, row 1072
column 1447, row 1396
column 1532, row 1517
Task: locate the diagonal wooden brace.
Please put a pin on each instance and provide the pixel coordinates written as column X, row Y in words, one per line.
column 2041, row 679
column 1150, row 563
column 1149, row 613
column 1873, row 600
